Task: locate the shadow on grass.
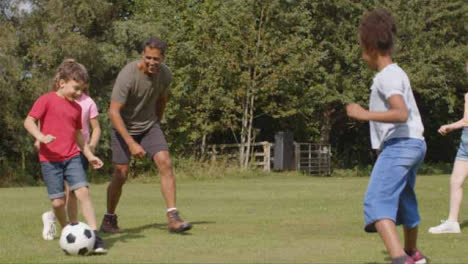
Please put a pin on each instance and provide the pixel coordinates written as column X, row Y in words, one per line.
column 386, row 258
column 135, row 233
column 464, row 224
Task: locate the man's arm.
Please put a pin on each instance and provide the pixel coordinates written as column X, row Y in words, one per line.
column 119, row 125
column 161, row 106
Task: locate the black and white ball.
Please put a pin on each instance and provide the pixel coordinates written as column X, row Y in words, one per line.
column 77, row 239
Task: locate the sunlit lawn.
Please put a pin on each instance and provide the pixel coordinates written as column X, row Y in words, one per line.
column 280, row 218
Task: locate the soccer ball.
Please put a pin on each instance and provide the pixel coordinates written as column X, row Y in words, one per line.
column 77, row 239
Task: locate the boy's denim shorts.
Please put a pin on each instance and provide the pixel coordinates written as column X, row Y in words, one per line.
column 462, row 153
column 55, row 173
column 390, row 193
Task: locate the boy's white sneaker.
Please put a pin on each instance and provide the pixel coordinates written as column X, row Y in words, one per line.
column 49, row 231
column 446, row 227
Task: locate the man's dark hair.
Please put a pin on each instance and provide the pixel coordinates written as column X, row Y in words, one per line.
column 377, row 31
column 155, row 43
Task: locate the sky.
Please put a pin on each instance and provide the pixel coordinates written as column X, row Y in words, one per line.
column 23, row 6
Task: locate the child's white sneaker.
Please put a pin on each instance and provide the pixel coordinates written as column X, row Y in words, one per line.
column 446, row 226
column 49, row 231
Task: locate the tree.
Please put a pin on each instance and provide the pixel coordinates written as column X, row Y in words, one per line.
column 243, row 70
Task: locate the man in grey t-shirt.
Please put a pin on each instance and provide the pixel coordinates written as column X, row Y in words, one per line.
column 137, row 105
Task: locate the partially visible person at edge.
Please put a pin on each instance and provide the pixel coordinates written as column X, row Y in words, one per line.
column 459, row 174
column 89, row 117
column 397, row 132
column 139, row 97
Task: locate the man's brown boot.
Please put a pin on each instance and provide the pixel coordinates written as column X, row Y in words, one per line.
column 109, row 224
column 176, row 224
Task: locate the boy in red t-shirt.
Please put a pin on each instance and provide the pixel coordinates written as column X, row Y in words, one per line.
column 59, row 136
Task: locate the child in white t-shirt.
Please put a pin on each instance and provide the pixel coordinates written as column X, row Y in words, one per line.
column 397, row 133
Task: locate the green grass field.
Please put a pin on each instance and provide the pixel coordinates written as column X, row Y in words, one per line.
column 278, row 218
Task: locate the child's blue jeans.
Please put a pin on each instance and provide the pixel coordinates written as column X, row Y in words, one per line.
column 390, row 193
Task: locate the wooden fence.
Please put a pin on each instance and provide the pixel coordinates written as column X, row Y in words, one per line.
column 311, row 158
column 260, row 155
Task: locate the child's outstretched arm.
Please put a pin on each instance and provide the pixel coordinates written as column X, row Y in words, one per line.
column 445, row 129
column 398, row 112
column 93, row 160
column 33, row 129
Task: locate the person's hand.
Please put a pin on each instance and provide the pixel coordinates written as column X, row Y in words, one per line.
column 445, row 129
column 356, row 111
column 47, row 139
column 136, row 150
column 95, row 162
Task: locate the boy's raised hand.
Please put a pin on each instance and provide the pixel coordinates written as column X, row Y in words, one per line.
column 95, row 162
column 47, row 139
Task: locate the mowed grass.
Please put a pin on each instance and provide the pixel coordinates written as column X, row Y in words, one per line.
column 279, row 218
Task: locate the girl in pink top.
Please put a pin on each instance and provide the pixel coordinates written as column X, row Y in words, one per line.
column 89, row 116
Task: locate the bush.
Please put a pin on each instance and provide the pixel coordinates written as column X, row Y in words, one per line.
column 435, row 168
column 12, row 175
column 357, row 171
column 365, row 171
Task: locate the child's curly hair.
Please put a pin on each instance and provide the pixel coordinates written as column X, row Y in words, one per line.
column 377, row 31
column 68, row 70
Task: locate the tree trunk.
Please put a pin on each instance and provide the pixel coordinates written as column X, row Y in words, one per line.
column 203, row 146
column 250, row 99
column 242, row 152
column 249, row 132
column 326, row 126
column 23, row 161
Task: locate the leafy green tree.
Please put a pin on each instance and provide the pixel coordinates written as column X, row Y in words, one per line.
column 243, row 70
column 433, row 47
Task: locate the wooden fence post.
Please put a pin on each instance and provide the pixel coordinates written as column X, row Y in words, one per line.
column 320, row 159
column 297, row 155
column 266, row 156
